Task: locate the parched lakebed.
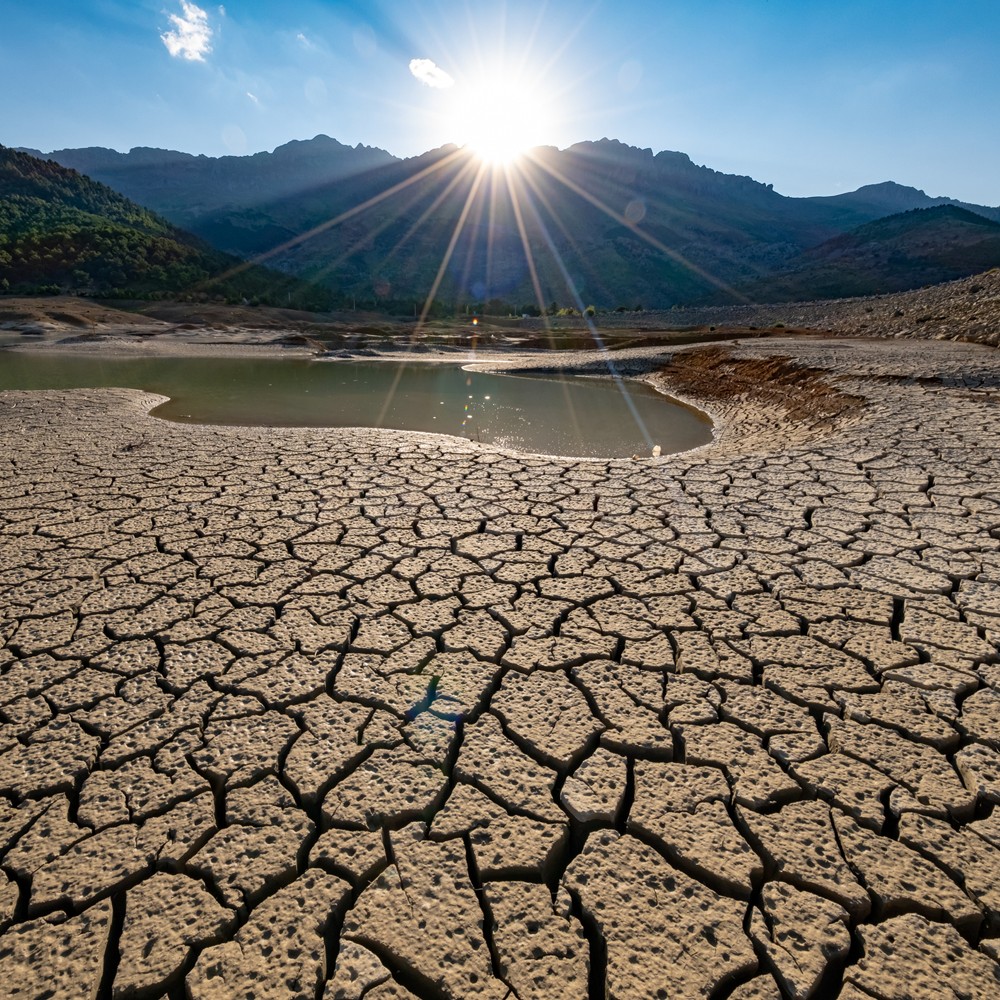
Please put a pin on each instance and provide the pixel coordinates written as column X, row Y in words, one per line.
column 365, row 713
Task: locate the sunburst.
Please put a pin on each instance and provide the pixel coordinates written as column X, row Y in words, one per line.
column 500, row 118
column 497, row 114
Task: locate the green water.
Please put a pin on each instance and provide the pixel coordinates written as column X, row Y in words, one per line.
column 550, row 415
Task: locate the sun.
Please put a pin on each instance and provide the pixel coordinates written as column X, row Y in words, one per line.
column 499, row 118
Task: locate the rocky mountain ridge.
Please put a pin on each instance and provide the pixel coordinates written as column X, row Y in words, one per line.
column 183, row 186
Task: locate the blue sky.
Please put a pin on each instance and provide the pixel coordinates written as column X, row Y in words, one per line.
column 812, row 96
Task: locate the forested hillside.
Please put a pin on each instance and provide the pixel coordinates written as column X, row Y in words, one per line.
column 925, row 246
column 61, row 231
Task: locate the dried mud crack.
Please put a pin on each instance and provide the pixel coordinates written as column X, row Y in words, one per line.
column 360, row 714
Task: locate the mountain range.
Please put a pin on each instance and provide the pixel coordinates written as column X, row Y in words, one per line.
column 599, row 222
column 183, row 187
column 61, row 230
column 923, row 246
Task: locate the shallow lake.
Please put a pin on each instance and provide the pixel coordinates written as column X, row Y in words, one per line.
column 560, row 415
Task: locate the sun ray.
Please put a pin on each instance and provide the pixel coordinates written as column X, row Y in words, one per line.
column 434, row 287
column 516, row 203
column 466, row 168
column 491, row 229
column 470, row 254
column 343, row 217
column 674, row 255
column 456, row 233
column 529, row 179
column 556, row 52
column 591, row 326
column 369, row 234
column 528, row 255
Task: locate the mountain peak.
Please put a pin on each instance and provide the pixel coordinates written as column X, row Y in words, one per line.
column 891, row 197
column 890, row 187
column 891, row 193
column 612, row 149
column 320, row 142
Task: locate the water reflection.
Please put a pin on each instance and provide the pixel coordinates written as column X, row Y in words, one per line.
column 550, row 415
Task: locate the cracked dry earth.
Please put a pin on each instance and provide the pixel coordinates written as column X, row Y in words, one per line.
column 337, row 714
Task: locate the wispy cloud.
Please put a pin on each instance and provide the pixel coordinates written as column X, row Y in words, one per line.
column 253, row 97
column 191, row 36
column 428, row 72
column 305, row 42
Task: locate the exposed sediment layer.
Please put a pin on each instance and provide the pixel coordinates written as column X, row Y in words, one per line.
column 345, row 714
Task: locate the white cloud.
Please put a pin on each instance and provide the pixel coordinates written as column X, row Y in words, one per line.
column 427, row 71
column 305, row 42
column 253, row 97
column 190, row 37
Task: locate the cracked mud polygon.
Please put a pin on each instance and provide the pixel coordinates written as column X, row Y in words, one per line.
column 327, row 714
